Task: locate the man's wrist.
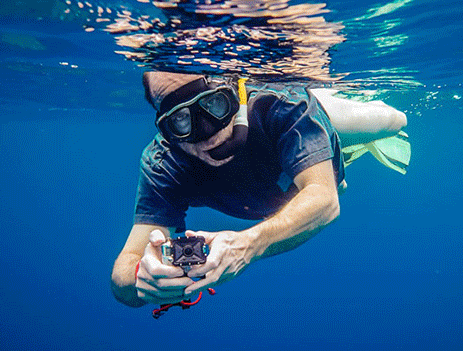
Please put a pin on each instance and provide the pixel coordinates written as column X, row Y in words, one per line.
column 124, row 279
column 257, row 242
column 128, row 295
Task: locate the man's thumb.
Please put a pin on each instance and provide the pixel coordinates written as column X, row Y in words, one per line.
column 157, row 238
column 207, row 235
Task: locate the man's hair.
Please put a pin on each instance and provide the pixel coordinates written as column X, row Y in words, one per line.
column 147, row 89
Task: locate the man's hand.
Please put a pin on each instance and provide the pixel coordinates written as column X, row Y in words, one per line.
column 158, row 283
column 230, row 252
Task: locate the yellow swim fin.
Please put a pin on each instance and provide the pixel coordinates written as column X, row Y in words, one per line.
column 394, row 152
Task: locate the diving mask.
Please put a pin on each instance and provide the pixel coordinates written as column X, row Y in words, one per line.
column 200, row 117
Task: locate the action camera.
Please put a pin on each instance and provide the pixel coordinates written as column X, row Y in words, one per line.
column 185, row 251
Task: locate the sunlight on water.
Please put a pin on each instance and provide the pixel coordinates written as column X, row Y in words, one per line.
column 267, row 38
column 380, row 10
column 367, row 52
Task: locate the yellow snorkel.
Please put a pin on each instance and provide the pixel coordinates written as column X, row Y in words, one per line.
column 240, row 128
column 242, row 115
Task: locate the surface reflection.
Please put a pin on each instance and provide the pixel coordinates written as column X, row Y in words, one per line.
column 266, row 38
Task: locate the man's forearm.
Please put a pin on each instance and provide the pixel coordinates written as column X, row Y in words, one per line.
column 313, row 208
column 123, row 276
column 123, row 280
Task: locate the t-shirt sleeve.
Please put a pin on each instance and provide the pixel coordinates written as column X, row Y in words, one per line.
column 158, row 198
column 302, row 140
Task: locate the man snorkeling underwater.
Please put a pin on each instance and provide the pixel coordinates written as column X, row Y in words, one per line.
column 216, row 149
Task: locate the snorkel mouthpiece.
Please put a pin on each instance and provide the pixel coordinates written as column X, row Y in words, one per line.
column 240, row 128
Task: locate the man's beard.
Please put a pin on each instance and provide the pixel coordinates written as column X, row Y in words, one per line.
column 200, row 149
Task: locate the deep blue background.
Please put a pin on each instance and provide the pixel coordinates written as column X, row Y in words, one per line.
column 387, row 275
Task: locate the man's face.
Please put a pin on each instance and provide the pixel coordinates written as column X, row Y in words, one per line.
column 200, row 149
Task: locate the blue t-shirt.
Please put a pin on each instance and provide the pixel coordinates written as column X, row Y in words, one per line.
column 284, row 138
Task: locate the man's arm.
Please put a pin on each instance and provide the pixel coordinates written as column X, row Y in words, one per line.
column 123, row 276
column 314, row 207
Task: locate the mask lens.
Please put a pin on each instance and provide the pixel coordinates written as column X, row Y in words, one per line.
column 216, row 104
column 180, row 122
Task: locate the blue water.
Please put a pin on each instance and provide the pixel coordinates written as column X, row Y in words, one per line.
column 387, row 275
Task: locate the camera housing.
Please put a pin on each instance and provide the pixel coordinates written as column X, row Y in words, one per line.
column 185, row 251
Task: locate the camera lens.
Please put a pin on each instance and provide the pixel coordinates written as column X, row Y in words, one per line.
column 188, row 250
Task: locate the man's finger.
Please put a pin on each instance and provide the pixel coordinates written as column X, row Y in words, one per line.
column 213, row 261
column 201, row 270
column 169, row 284
column 155, row 269
column 211, row 278
column 158, row 296
column 189, row 233
column 174, row 284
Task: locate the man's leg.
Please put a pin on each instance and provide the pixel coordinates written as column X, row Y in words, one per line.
column 360, row 122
